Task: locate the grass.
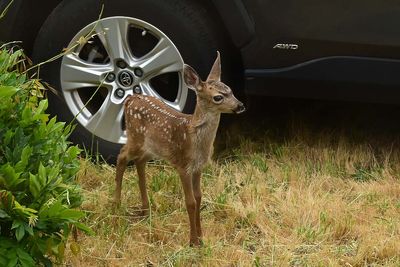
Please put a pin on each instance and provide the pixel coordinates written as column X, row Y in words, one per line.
column 307, row 195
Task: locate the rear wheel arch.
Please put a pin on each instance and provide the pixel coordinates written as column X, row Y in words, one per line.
column 237, row 23
column 232, row 34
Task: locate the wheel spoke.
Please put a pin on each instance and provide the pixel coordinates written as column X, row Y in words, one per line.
column 161, row 59
column 78, row 73
column 179, row 102
column 181, row 99
column 113, row 34
column 107, row 121
column 148, row 90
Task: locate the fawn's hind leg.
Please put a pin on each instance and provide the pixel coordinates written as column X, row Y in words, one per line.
column 122, row 161
column 140, row 168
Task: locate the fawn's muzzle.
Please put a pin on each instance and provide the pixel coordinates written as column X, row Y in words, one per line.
column 240, row 108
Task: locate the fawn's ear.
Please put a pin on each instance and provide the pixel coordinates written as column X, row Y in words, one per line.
column 191, row 77
column 215, row 73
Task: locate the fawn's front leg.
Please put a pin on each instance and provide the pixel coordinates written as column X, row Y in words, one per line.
column 190, row 201
column 197, row 195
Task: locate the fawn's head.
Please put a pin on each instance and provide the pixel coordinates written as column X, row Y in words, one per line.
column 212, row 93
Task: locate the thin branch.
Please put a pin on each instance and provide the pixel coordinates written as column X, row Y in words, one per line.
column 4, row 12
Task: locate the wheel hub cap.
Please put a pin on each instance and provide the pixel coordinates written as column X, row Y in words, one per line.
column 125, row 79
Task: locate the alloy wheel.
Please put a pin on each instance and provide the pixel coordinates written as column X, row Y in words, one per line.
column 124, row 56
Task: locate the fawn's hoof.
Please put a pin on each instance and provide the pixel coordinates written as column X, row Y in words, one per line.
column 138, row 212
column 143, row 212
column 116, row 204
column 196, row 242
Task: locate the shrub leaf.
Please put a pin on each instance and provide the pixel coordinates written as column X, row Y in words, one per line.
column 7, row 91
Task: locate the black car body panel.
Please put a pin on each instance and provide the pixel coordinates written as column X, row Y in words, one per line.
column 343, row 49
column 365, row 28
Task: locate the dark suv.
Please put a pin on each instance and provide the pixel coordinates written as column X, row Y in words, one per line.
column 314, row 49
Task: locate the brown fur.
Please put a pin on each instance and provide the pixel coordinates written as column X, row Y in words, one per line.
column 155, row 130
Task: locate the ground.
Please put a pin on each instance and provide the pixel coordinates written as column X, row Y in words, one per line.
column 312, row 186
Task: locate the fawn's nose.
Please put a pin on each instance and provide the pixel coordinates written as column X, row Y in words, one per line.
column 240, row 108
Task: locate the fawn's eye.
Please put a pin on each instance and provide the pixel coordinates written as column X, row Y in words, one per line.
column 218, row 98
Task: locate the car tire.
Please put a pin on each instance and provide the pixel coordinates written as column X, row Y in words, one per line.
column 186, row 23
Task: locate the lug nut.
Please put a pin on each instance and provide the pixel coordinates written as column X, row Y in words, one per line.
column 138, row 72
column 121, row 64
column 119, row 93
column 110, row 77
column 137, row 89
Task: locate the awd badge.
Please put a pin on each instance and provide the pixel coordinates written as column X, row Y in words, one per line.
column 286, row 46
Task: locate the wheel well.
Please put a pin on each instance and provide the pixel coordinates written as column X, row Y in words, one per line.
column 19, row 16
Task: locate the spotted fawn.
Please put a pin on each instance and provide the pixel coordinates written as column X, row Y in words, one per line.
column 157, row 131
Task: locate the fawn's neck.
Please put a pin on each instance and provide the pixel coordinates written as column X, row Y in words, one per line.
column 204, row 123
column 204, row 117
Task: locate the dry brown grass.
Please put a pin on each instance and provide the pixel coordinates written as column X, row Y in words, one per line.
column 305, row 199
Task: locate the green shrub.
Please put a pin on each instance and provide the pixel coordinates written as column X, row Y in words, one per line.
column 38, row 193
